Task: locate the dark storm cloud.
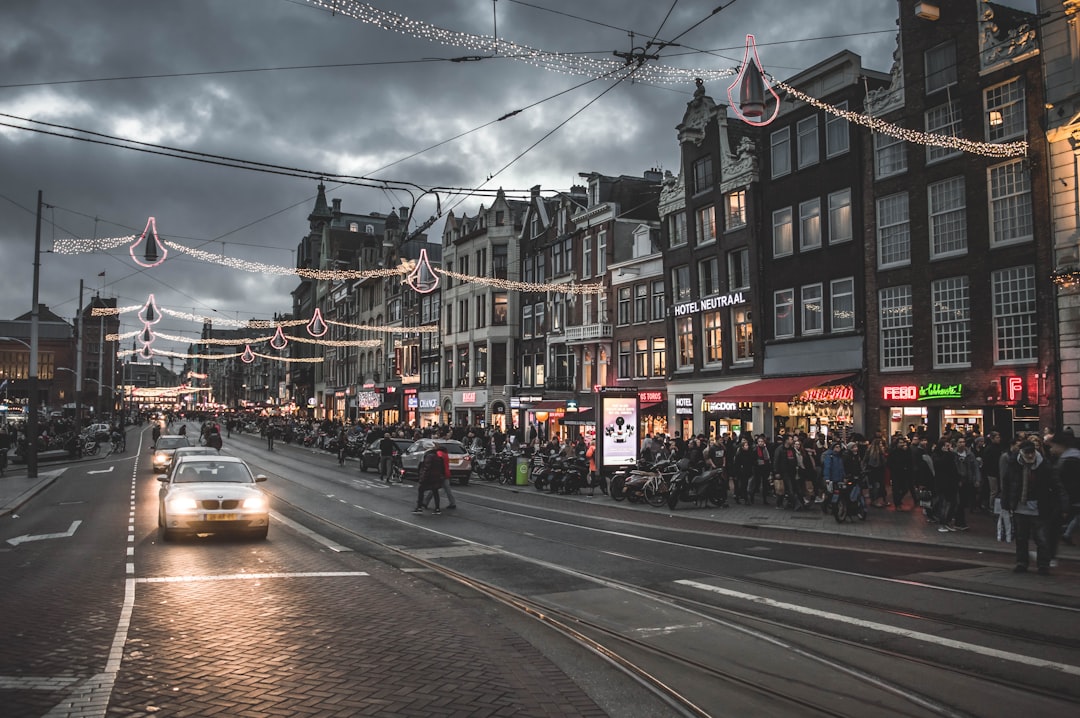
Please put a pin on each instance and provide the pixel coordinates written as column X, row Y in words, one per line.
column 351, row 120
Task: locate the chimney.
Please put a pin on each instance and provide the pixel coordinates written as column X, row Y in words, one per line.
column 337, row 206
column 654, row 175
column 403, row 213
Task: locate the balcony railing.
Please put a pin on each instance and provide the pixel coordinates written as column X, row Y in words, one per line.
column 588, row 332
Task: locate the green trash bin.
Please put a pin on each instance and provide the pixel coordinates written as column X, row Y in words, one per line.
column 521, row 471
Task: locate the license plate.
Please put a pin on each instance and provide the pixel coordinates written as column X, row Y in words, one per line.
column 221, row 517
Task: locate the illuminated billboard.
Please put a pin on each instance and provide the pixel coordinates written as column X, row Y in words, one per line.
column 617, row 426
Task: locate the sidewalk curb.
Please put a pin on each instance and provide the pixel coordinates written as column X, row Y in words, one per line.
column 40, row 484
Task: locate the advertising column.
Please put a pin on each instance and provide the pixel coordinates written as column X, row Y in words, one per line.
column 616, row 427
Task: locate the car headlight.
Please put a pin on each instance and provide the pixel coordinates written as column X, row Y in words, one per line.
column 255, row 503
column 160, row 458
column 182, row 503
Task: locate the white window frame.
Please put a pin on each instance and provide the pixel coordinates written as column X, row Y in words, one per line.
column 896, row 335
column 783, row 241
column 950, row 299
column 1009, row 194
column 894, row 230
column 684, row 341
column 810, row 224
column 809, row 145
column 811, row 301
column 742, row 255
column 840, row 221
column 842, row 305
column 705, row 224
column 945, row 120
column 742, row 335
column 837, row 133
column 780, row 152
column 890, row 156
column 939, row 66
column 712, row 327
column 1016, row 324
column 1005, row 110
column 947, row 214
column 735, row 202
column 784, row 299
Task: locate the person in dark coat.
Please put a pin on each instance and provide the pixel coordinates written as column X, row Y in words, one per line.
column 947, row 487
column 1032, row 491
column 900, row 467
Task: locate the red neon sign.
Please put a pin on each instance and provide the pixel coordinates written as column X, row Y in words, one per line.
column 1014, row 388
column 650, row 397
column 900, row 393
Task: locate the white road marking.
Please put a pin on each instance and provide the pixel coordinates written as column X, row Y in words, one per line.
column 40, row 537
column 886, row 628
column 102, row 471
column 305, row 531
column 250, row 576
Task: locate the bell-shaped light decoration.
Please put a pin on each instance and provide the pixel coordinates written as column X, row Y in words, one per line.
column 146, row 352
column 152, row 250
column 150, row 314
column 422, row 278
column 317, row 327
column 750, row 107
column 146, row 336
column 278, row 341
column 248, row 356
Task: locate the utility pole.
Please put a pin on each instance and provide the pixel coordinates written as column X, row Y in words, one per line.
column 78, row 362
column 32, row 400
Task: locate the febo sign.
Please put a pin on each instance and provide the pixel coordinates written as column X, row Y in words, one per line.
column 926, row 392
column 900, row 393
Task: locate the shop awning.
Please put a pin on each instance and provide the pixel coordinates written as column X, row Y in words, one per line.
column 579, row 418
column 780, row 388
column 548, row 405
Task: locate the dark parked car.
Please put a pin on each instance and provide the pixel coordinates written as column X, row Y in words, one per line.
column 369, row 459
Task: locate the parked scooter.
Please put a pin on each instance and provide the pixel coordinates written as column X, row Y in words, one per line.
column 692, row 485
column 847, row 500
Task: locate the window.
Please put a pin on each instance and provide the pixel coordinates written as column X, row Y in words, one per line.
column 680, row 284
column 658, row 303
column 840, row 216
column 449, row 318
column 480, row 363
column 659, row 356
column 742, row 331
column 1015, row 327
column 736, row 209
column 890, row 156
column 587, row 257
column 808, row 141
column 703, row 175
column 538, row 317
column 625, row 358
column 480, row 306
column 810, row 224
column 641, row 358
column 1010, row 204
column 1005, row 110
column 354, row 226
column 709, row 277
column 541, row 268
column 558, row 312
column 677, row 229
column 714, row 337
column 448, row 362
column 952, row 322
column 641, row 303
column 557, row 264
column 541, row 369
column 897, row 344
column 499, row 308
column 706, row 225
column 943, row 120
column 500, row 218
column 601, row 254
column 948, row 217
column 624, row 306
column 535, row 227
column 780, row 152
column 684, row 338
column 739, row 269
column 588, row 316
column 527, row 329
column 812, row 310
column 463, row 315
column 781, row 232
column 837, row 133
column 463, row 366
column 940, row 65
column 894, row 238
column 784, row 313
column 842, row 302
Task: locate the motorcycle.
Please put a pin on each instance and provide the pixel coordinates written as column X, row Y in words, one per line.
column 629, row 482
column 540, row 472
column 693, row 485
column 846, row 500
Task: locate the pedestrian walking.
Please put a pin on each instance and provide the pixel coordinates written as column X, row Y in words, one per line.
column 1033, row 493
column 270, row 431
column 430, row 477
column 386, row 457
column 214, row 440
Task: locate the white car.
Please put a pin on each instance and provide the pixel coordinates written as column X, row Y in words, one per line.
column 212, row 495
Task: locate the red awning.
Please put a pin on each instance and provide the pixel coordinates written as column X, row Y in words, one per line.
column 548, row 405
column 781, row 388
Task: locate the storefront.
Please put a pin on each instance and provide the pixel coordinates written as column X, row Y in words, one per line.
column 427, row 407
column 725, row 417
column 821, row 404
column 500, row 419
column 412, row 406
column 653, row 413
column 470, row 407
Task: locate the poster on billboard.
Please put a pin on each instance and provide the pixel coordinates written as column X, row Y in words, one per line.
column 617, row 426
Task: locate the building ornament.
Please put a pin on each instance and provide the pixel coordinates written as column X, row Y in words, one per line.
column 672, row 194
column 699, row 111
column 886, row 99
column 1005, row 35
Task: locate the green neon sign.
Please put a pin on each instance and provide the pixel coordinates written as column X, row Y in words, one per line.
column 941, row 391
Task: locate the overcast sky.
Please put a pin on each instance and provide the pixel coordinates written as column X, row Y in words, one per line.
column 386, row 100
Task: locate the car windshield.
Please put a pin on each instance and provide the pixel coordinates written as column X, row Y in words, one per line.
column 171, row 442
column 195, row 472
